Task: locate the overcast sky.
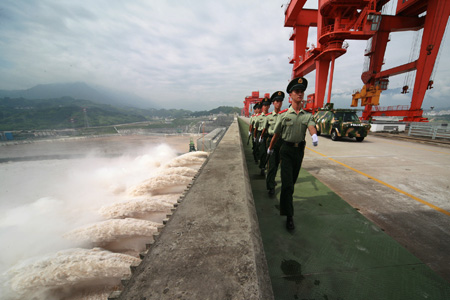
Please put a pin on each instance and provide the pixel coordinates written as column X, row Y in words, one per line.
column 191, row 54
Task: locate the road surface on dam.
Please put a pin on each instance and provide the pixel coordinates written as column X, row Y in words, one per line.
column 402, row 186
column 372, row 221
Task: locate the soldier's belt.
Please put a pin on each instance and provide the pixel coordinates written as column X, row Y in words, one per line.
column 295, row 145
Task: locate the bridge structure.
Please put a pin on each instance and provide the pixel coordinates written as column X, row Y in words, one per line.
column 341, row 20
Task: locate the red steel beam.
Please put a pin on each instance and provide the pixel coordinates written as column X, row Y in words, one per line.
column 438, row 12
column 397, row 70
column 292, row 11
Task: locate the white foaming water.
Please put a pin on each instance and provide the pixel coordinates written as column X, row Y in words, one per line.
column 182, row 171
column 140, row 208
column 46, row 201
column 127, row 236
column 66, row 272
column 171, row 181
column 161, row 184
column 101, row 233
column 191, row 159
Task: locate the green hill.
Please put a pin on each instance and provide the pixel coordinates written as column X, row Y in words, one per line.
column 66, row 112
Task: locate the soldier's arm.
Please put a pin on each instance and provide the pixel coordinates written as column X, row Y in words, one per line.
column 312, row 130
column 265, row 125
column 276, row 135
column 250, row 129
column 273, row 141
column 312, row 126
column 256, row 130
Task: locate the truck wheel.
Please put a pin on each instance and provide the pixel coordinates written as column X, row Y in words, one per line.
column 334, row 135
column 360, row 139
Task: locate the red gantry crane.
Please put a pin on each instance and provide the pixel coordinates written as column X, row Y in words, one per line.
column 250, row 100
column 340, row 20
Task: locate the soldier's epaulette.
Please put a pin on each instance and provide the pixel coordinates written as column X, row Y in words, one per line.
column 268, row 114
column 258, row 115
column 283, row 111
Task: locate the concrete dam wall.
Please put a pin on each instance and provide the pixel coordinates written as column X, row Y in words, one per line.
column 211, row 247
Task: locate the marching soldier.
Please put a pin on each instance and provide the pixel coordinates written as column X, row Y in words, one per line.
column 257, row 111
column 269, row 126
column 291, row 127
column 252, row 119
column 260, row 136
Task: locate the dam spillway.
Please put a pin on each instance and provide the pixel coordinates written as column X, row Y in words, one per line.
column 211, row 247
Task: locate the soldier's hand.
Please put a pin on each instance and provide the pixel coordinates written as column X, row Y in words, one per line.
column 249, row 133
column 269, row 151
column 254, row 140
column 260, row 139
column 315, row 140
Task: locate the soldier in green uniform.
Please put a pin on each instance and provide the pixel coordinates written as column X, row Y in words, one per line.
column 257, row 111
column 269, row 126
column 291, row 127
column 262, row 136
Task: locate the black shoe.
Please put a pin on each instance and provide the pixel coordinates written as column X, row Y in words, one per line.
column 290, row 223
column 271, row 192
column 263, row 173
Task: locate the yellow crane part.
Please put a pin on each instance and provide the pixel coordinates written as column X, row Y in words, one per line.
column 369, row 95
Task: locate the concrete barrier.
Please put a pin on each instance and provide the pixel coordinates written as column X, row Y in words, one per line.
column 210, row 141
column 211, row 246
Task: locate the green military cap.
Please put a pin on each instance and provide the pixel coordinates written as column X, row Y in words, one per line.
column 265, row 101
column 257, row 105
column 298, row 83
column 277, row 96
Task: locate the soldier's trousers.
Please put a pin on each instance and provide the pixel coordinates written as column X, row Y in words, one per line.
column 262, row 153
column 291, row 163
column 256, row 147
column 274, row 162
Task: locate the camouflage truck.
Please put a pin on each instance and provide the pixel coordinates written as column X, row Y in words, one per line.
column 339, row 123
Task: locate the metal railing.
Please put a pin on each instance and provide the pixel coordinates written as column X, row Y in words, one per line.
column 390, row 108
column 431, row 130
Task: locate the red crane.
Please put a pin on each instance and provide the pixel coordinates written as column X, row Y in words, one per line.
column 339, row 20
column 249, row 100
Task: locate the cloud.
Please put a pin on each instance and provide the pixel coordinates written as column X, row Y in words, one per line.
column 185, row 54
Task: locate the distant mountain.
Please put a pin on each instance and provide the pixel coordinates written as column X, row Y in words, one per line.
column 80, row 90
column 67, row 112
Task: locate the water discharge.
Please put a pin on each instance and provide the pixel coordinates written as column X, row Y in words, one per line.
column 76, row 236
column 160, row 185
column 140, row 208
column 67, row 272
column 118, row 235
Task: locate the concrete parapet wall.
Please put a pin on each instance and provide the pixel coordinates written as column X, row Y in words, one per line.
column 210, row 141
column 211, row 247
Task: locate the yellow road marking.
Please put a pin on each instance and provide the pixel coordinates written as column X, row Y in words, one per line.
column 385, row 184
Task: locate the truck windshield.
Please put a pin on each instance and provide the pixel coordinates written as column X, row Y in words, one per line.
column 346, row 116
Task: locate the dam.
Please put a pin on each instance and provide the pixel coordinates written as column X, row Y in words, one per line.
column 372, row 222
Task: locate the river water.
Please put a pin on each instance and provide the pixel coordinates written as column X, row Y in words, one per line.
column 74, row 214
